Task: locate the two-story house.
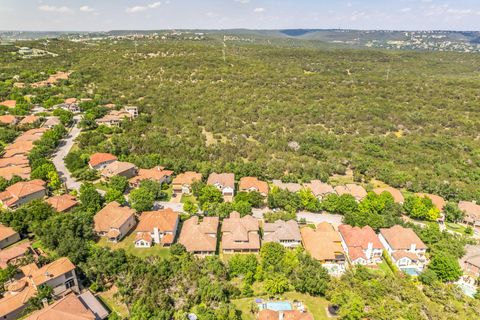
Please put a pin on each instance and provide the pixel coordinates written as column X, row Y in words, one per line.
column 114, row 221
column 23, row 192
column 200, row 237
column 287, row 233
column 405, row 248
column 225, row 182
column 99, row 161
column 240, row 234
column 182, row 183
column 361, row 244
column 156, row 227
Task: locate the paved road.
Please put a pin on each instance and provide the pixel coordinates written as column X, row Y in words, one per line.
column 62, row 150
column 175, row 206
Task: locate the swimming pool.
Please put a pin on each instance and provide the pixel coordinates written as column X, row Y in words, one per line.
column 468, row 290
column 411, row 271
column 278, row 305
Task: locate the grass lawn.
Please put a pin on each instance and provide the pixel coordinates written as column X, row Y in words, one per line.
column 191, row 198
column 316, row 305
column 456, row 227
column 383, row 267
column 128, row 245
column 101, row 186
column 112, row 303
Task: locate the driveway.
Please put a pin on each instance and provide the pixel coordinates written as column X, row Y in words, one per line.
column 175, row 206
column 62, row 150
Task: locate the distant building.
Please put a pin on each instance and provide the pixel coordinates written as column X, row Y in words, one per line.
column 157, row 174
column 62, row 203
column 396, row 194
column 358, row 192
column 319, row 189
column 289, row 186
column 472, row 213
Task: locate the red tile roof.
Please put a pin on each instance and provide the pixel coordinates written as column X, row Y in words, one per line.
column 396, row 194
column 99, row 158
column 62, row 203
column 437, row 201
column 249, row 183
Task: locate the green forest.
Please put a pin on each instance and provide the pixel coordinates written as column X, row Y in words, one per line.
column 409, row 119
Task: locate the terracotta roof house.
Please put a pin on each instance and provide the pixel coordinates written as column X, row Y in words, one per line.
column 225, row 182
column 470, row 262
column 28, row 120
column 59, row 275
column 11, row 254
column 114, row 221
column 15, row 300
column 9, row 103
column 32, row 134
column 99, row 161
column 62, row 203
column 70, row 100
column 361, row 244
column 320, row 189
column 8, row 236
column 248, row 184
column 23, row 192
column 200, row 238
column 20, row 171
column 287, row 233
column 325, row 245
column 158, row 174
column 72, row 307
column 396, row 194
column 472, row 213
column 405, row 247
column 358, row 192
column 115, row 117
column 51, row 122
column 8, row 119
column 437, row 201
column 267, row 314
column 70, row 104
column 159, row 227
column 289, row 186
column 119, row 168
column 240, row 235
column 19, row 160
column 182, row 183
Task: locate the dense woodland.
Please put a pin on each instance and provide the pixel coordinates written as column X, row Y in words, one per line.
column 408, row 119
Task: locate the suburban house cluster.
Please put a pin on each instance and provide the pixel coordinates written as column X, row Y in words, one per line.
column 115, row 117
column 71, row 302
column 14, row 161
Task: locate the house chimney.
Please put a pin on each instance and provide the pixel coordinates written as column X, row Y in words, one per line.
column 45, row 302
column 281, row 315
column 156, row 235
column 413, row 247
column 369, row 251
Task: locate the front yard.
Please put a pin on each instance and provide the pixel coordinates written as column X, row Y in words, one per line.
column 128, row 245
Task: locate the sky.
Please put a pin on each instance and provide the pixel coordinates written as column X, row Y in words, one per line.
column 104, row 15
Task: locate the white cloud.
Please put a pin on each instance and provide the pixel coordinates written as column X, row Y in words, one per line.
column 62, row 9
column 86, row 9
column 242, row 1
column 136, row 9
column 259, row 10
column 405, row 9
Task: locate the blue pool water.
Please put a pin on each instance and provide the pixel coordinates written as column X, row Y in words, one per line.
column 468, row 290
column 278, row 306
column 411, row 271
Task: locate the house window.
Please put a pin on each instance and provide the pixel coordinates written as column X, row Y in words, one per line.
column 68, row 275
column 70, row 283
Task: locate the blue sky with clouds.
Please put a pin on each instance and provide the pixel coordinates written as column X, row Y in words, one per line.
column 254, row 14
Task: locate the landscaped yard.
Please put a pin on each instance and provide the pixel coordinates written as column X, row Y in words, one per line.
column 455, row 227
column 112, row 303
column 316, row 305
column 128, row 245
